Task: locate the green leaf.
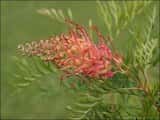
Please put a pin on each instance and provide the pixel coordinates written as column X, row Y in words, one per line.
column 144, row 53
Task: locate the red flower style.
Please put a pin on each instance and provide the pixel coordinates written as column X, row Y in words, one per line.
column 75, row 53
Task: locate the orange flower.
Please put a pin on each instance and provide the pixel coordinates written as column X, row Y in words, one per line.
column 75, row 53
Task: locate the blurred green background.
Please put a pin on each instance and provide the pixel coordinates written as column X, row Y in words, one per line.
column 21, row 23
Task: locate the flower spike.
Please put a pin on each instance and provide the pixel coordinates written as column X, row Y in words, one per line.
column 75, row 53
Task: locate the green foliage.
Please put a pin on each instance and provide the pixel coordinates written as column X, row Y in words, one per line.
column 85, row 107
column 112, row 99
column 146, row 45
column 144, row 52
column 29, row 71
column 58, row 15
column 117, row 15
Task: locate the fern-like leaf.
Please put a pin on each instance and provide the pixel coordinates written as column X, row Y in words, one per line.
column 118, row 15
column 30, row 70
column 144, row 52
column 146, row 45
column 58, row 15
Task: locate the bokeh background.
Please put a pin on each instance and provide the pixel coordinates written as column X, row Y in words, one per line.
column 21, row 23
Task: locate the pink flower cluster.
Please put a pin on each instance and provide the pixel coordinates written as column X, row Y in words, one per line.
column 75, row 53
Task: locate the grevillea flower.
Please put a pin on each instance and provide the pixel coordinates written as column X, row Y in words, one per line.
column 75, row 53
